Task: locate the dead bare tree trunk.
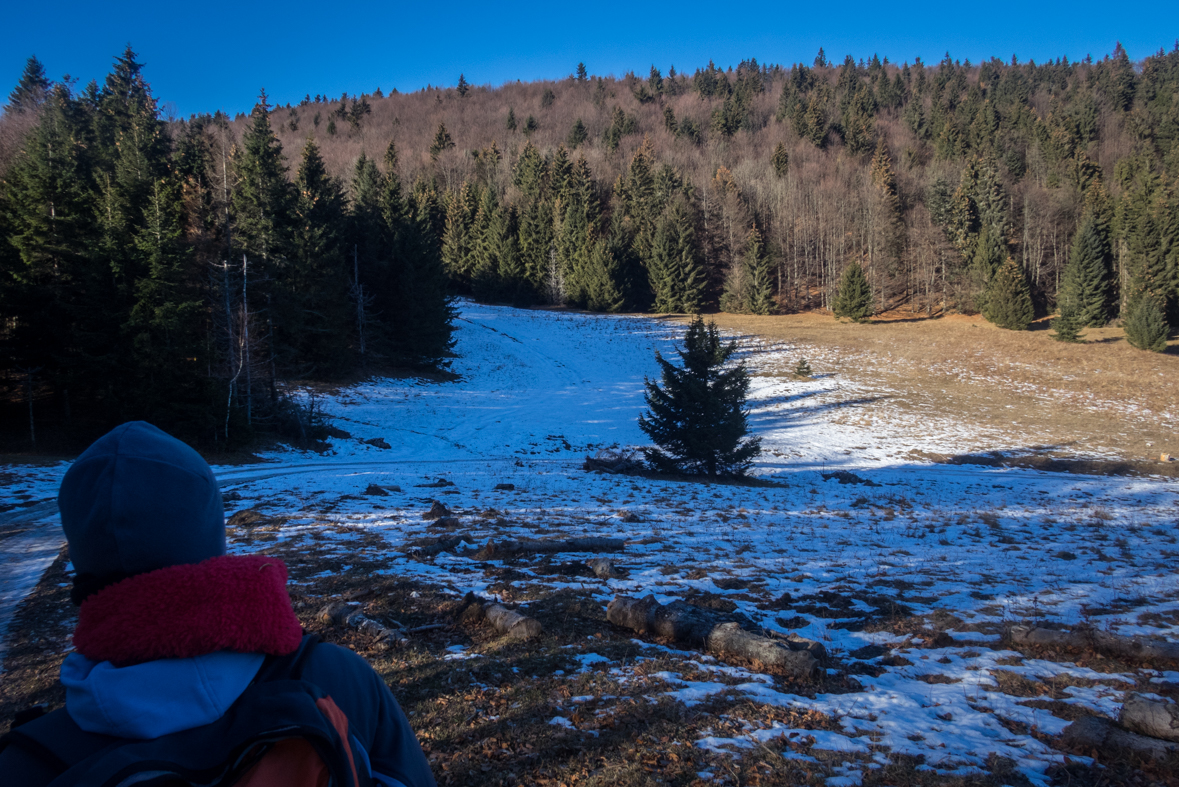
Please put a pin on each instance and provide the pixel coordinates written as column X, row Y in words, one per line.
column 684, row 623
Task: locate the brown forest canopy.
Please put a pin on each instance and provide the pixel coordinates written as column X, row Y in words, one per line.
column 999, row 187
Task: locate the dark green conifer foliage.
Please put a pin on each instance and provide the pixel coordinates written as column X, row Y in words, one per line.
column 780, row 161
column 1146, row 323
column 169, row 349
column 317, row 325
column 577, row 134
column 1067, row 326
column 420, row 318
column 676, row 274
column 442, row 142
column 32, row 89
column 697, row 417
column 669, row 121
column 530, row 126
column 458, row 238
column 510, row 124
column 853, row 297
column 1085, row 285
column 582, row 74
column 262, row 202
column 1009, row 299
column 757, row 271
column 462, row 88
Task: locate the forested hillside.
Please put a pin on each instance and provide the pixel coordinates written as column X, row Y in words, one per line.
column 191, row 266
column 185, row 272
column 644, row 193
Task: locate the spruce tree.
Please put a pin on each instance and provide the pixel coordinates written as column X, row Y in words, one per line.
column 317, row 321
column 577, row 134
column 697, row 417
column 1009, row 299
column 1146, row 323
column 677, row 276
column 462, row 88
column 32, row 89
column 510, row 124
column 780, row 161
column 1067, row 326
column 582, row 74
column 442, row 142
column 263, row 200
column 853, row 296
column 167, row 322
column 757, row 271
column 1085, row 285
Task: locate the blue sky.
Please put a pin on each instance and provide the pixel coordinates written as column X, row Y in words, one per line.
column 216, row 55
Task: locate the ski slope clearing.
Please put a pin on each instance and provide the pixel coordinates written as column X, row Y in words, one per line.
column 910, row 573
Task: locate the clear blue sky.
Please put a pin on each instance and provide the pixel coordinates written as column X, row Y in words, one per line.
column 216, row 55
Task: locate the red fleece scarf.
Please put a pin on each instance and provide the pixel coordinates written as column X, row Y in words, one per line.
column 232, row 602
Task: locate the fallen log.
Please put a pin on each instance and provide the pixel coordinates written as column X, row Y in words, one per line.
column 1144, row 648
column 509, row 623
column 614, row 462
column 1092, row 732
column 1155, row 718
column 496, row 549
column 428, row 547
column 684, row 623
column 351, row 616
column 604, row 568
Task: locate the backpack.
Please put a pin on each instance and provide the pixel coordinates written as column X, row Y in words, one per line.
column 281, row 732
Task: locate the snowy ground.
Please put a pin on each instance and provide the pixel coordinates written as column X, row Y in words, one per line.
column 853, row 542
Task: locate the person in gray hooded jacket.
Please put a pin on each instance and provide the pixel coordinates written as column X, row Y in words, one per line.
column 171, row 630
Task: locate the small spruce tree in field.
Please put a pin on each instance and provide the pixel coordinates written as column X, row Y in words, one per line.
column 853, row 298
column 1067, row 326
column 1008, row 301
column 803, row 369
column 697, row 417
column 1146, row 324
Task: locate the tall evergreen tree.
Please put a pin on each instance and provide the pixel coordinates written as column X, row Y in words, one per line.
column 1009, row 299
column 32, row 89
column 442, row 142
column 1146, row 323
column 757, row 271
column 317, row 322
column 697, row 417
column 853, row 296
column 1085, row 285
column 676, row 274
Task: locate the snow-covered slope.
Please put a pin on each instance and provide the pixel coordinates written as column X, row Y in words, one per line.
column 853, row 536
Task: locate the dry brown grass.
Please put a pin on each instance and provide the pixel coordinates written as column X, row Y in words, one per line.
column 1100, row 398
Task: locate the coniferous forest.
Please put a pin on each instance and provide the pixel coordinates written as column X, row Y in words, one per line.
column 188, row 271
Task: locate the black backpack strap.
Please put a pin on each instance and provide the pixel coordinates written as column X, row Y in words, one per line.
column 56, row 741
column 290, row 666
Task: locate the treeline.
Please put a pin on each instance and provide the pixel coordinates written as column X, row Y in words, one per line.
column 182, row 270
column 754, row 188
column 184, row 273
